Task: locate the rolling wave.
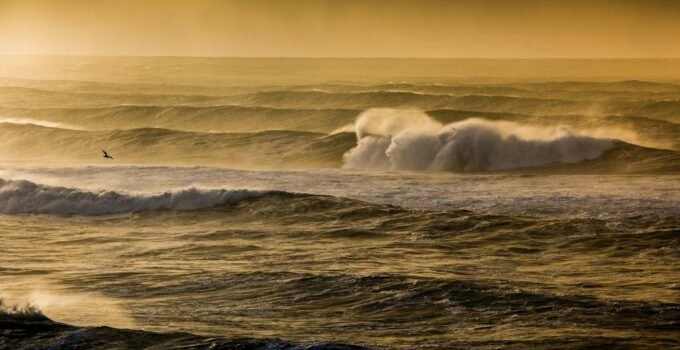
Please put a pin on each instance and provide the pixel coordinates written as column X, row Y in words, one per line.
column 403, row 300
column 662, row 107
column 559, row 88
column 581, row 90
column 270, row 149
column 22, row 97
column 25, row 197
column 22, row 326
column 230, row 118
column 368, row 99
column 31, row 121
column 383, row 139
column 223, row 118
column 528, row 105
column 643, row 131
column 411, row 140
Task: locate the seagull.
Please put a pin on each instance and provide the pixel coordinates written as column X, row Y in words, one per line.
column 106, row 155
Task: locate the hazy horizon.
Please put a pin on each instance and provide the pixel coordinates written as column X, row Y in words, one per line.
column 363, row 57
column 348, row 29
column 268, row 70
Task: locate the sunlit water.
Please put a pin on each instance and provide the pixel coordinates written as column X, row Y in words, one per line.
column 544, row 213
column 460, row 260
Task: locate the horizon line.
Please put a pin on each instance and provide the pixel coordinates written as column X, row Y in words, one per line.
column 338, row 57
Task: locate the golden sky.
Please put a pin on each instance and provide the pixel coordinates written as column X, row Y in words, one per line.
column 343, row 28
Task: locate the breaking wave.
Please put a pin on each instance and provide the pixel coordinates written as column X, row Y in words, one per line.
column 411, row 140
column 30, row 121
column 382, row 139
column 25, row 197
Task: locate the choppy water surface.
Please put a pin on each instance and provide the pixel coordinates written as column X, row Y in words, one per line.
column 521, row 222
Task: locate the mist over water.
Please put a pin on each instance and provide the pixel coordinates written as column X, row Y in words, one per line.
column 297, row 203
column 410, row 140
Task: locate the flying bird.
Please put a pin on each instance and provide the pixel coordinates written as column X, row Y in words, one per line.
column 106, row 155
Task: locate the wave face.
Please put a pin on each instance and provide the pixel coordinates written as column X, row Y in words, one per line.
column 25, row 197
column 411, row 140
column 185, row 118
column 539, row 102
column 268, row 149
column 23, row 326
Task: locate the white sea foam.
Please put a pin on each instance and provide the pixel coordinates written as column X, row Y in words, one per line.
column 19, row 197
column 411, row 140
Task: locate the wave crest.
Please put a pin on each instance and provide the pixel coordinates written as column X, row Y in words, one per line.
column 25, row 197
column 31, row 121
column 411, row 140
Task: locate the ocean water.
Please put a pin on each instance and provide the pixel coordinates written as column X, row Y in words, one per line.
column 330, row 204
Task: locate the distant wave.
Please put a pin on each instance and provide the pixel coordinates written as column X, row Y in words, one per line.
column 651, row 132
column 298, row 99
column 25, row 197
column 368, row 99
column 21, row 97
column 30, row 121
column 537, row 104
column 550, row 99
column 411, row 140
column 222, row 118
column 269, row 149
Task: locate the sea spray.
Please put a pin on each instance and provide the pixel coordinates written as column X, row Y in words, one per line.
column 411, row 140
column 25, row 197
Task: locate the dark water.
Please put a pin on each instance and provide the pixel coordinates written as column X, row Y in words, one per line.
column 436, row 213
column 317, row 268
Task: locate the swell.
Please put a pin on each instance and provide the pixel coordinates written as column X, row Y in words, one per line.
column 384, row 302
column 22, row 97
column 229, row 118
column 579, row 90
column 270, row 149
column 666, row 107
column 26, row 197
column 469, row 145
column 28, row 328
column 223, row 118
column 368, row 99
column 403, row 299
column 587, row 90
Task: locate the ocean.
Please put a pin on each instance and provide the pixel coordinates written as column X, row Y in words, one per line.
column 339, row 204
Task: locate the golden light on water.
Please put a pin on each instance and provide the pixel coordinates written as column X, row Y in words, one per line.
column 339, row 174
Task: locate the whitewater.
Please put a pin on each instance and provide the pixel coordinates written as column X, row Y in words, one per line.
column 95, row 191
